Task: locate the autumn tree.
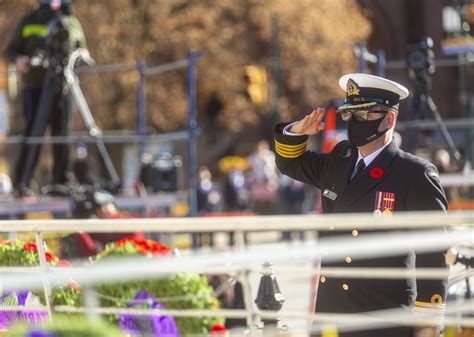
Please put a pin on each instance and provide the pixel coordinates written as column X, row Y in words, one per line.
column 315, row 42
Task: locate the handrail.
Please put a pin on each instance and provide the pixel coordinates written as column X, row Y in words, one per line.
column 249, row 223
column 107, row 138
column 242, row 259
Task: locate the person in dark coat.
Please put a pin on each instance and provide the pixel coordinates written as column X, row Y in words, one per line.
column 368, row 173
column 33, row 47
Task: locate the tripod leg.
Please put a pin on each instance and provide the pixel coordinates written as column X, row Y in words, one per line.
column 107, row 161
column 31, row 98
column 39, row 126
column 60, row 122
column 415, row 112
column 89, row 122
column 444, row 131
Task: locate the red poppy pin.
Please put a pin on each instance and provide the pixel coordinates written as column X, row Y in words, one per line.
column 376, row 172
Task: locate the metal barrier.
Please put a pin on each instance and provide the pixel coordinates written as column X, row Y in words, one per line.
column 141, row 136
column 246, row 259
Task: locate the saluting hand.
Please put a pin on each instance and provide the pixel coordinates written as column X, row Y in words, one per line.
column 311, row 124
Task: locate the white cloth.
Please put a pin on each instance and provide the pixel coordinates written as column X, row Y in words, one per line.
column 288, row 133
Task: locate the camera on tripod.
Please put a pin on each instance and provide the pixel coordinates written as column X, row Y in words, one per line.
column 161, row 173
column 421, row 62
column 58, row 47
column 57, row 41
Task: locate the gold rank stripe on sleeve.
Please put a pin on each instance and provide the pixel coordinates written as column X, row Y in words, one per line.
column 290, row 151
column 436, row 302
column 290, row 147
column 430, row 305
column 290, row 154
column 435, row 308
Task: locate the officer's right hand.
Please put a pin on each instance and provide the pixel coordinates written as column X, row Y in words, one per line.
column 310, row 124
column 22, row 64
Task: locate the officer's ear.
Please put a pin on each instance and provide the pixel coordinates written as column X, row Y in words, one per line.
column 389, row 120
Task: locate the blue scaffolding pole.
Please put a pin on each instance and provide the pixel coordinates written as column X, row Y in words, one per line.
column 193, row 57
column 141, row 106
column 192, row 131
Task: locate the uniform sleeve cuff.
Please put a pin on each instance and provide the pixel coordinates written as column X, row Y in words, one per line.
column 428, row 306
column 288, row 133
column 433, row 309
column 290, row 151
column 436, row 301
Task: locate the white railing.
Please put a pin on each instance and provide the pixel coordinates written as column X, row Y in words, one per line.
column 427, row 233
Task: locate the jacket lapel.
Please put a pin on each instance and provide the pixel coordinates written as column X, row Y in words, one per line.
column 364, row 183
column 343, row 170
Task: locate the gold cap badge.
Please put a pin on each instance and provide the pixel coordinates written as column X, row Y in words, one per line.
column 352, row 88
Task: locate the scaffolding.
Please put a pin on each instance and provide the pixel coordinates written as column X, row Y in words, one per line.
column 140, row 136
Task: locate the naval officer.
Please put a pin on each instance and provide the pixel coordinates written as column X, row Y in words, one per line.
column 368, row 173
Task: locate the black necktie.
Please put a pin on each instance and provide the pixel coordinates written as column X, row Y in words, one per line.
column 359, row 168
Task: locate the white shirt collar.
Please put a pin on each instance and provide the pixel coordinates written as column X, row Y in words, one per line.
column 370, row 157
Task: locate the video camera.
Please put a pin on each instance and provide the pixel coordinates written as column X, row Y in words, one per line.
column 58, row 47
column 85, row 205
column 84, row 200
column 421, row 62
column 161, row 173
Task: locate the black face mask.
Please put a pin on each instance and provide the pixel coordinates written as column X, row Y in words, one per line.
column 361, row 133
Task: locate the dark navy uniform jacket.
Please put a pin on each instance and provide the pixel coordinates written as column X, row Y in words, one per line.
column 416, row 186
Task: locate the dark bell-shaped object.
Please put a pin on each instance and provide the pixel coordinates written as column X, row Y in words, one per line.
column 269, row 296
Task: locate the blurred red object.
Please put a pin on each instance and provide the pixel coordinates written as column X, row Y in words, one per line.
column 329, row 137
column 219, row 330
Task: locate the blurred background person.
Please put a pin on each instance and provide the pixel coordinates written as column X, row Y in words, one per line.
column 236, row 185
column 208, row 195
column 31, row 47
column 263, row 179
column 444, row 164
column 6, row 189
column 5, row 186
column 292, row 201
column 236, row 192
column 81, row 167
column 146, row 173
column 442, row 160
column 237, row 198
column 209, row 200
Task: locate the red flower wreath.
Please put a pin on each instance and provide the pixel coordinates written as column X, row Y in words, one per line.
column 64, row 263
column 49, row 256
column 218, row 330
column 144, row 246
column 376, row 172
column 30, row 247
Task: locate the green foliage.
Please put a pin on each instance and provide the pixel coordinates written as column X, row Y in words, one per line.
column 13, row 254
column 66, row 295
column 66, row 326
column 179, row 291
column 24, row 254
column 112, row 250
column 10, row 300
